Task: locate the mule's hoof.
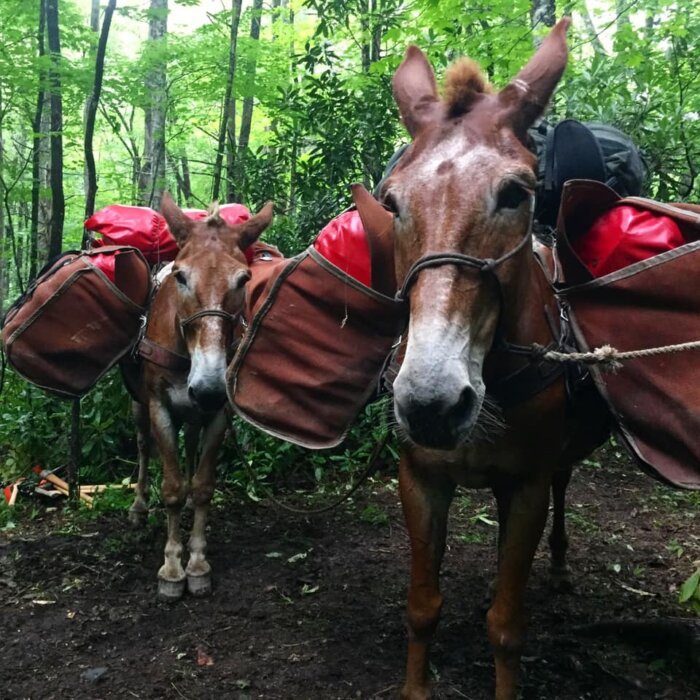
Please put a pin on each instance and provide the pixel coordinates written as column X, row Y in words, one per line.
column 560, row 581
column 410, row 693
column 138, row 518
column 199, row 586
column 170, row 591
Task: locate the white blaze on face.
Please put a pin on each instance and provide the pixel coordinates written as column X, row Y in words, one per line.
column 208, row 361
column 465, row 159
column 442, row 357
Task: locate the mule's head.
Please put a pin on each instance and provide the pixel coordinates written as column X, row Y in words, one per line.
column 464, row 186
column 209, row 275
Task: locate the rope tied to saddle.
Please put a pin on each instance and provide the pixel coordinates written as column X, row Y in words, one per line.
column 608, row 358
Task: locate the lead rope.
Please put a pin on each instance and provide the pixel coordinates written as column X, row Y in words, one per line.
column 368, row 471
column 609, row 358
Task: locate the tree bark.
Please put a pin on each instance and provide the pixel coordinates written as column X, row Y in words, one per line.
column 227, row 129
column 58, row 203
column 38, row 142
column 95, row 28
column 542, row 13
column 592, row 31
column 92, row 113
column 153, row 163
column 236, row 186
column 3, row 261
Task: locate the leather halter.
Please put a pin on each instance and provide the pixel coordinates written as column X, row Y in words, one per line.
column 536, row 374
column 483, row 265
column 232, row 318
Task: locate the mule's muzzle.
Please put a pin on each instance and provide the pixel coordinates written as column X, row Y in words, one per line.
column 440, row 423
column 207, row 398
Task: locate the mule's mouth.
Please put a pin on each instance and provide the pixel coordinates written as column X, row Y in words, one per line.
column 208, row 399
column 425, row 427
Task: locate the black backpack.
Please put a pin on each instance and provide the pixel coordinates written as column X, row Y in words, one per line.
column 592, row 151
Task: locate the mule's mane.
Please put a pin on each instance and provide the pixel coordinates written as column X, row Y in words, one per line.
column 213, row 216
column 464, row 81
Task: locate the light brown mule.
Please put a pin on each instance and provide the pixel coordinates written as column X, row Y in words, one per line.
column 191, row 326
column 462, row 199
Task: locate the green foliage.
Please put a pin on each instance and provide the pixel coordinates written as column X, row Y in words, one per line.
column 35, row 429
column 323, row 118
column 690, row 592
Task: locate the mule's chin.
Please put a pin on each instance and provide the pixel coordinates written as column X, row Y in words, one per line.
column 444, row 435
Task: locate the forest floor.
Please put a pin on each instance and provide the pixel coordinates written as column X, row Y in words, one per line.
column 314, row 608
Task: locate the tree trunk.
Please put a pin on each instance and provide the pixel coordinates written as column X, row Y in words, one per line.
column 3, row 261
column 186, row 182
column 57, row 198
column 364, row 25
column 592, row 31
column 236, row 184
column 153, row 164
column 92, row 113
column 376, row 48
column 38, row 148
column 94, row 27
column 227, row 129
column 543, row 13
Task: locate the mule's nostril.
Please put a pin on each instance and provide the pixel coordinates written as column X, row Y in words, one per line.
column 208, row 399
column 463, row 410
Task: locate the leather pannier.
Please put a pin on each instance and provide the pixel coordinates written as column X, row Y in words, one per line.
column 78, row 318
column 316, row 345
column 654, row 302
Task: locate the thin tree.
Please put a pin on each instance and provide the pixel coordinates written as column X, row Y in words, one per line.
column 38, row 140
column 235, row 183
column 3, row 261
column 58, row 203
column 92, row 112
column 153, row 164
column 227, row 128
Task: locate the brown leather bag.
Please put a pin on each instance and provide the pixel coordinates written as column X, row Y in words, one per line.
column 73, row 323
column 655, row 401
column 317, row 340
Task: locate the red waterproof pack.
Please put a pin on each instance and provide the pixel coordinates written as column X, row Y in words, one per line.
column 145, row 229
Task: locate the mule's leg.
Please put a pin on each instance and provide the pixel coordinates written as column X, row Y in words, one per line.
column 192, row 433
column 139, row 508
column 560, row 577
column 203, row 483
column 425, row 508
column 506, row 618
column 503, row 496
column 171, row 576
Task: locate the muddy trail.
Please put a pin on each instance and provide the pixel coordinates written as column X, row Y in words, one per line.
column 314, row 608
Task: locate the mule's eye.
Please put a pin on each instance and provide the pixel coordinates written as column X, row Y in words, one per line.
column 180, row 278
column 390, row 203
column 240, row 280
column 511, row 195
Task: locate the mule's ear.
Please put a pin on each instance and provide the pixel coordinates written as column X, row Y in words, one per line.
column 180, row 226
column 526, row 97
column 415, row 91
column 379, row 227
column 251, row 229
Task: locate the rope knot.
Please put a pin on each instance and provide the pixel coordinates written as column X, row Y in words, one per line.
column 607, row 357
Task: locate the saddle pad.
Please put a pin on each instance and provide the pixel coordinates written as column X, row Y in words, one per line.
column 314, row 351
column 655, row 401
column 76, row 320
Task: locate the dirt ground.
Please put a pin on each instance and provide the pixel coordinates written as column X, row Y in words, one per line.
column 313, row 608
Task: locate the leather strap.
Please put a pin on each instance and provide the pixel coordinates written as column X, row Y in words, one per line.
column 158, row 355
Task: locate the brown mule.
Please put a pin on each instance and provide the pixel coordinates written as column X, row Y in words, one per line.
column 192, row 322
column 462, row 198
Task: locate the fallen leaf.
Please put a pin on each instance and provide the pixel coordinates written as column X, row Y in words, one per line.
column 203, row 659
